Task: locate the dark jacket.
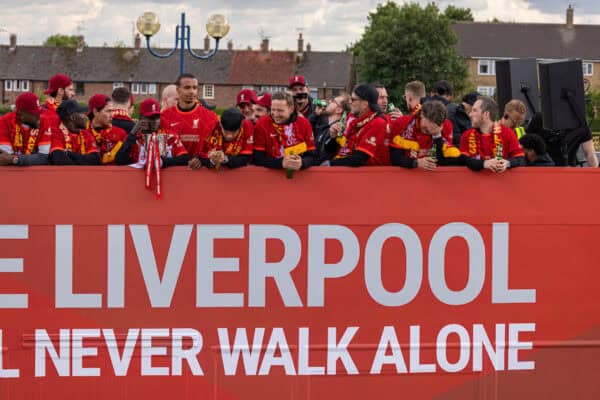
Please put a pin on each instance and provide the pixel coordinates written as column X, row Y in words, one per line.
column 460, row 122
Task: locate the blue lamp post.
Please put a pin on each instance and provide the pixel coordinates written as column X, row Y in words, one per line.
column 216, row 26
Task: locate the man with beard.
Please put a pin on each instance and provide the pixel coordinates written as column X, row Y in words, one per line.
column 71, row 144
column 363, row 142
column 24, row 139
column 109, row 138
column 418, row 150
column 188, row 119
column 122, row 109
column 60, row 87
column 283, row 139
column 490, row 145
column 245, row 101
column 383, row 102
column 134, row 147
column 262, row 106
column 230, row 143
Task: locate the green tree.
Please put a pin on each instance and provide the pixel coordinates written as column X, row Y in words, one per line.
column 409, row 43
column 59, row 40
column 458, row 13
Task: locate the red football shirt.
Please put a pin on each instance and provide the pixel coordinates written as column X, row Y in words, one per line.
column 82, row 142
column 484, row 146
column 191, row 126
column 367, row 134
column 18, row 139
column 406, row 134
column 241, row 145
column 274, row 139
column 109, row 141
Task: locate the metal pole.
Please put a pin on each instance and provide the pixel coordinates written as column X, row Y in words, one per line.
column 182, row 45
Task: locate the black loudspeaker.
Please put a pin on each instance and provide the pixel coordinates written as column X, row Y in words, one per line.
column 518, row 79
column 563, row 99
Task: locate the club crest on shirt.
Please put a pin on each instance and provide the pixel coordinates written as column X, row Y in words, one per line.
column 196, row 123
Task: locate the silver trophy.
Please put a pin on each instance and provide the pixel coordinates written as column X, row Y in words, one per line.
column 161, row 140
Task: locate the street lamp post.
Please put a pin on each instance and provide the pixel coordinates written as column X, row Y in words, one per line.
column 216, row 26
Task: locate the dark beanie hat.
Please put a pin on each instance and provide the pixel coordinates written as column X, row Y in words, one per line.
column 368, row 93
column 231, row 119
column 68, row 107
column 470, row 98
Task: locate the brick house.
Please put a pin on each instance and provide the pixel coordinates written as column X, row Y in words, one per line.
column 483, row 43
column 101, row 69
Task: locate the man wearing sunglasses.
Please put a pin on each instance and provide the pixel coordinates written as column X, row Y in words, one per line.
column 363, row 142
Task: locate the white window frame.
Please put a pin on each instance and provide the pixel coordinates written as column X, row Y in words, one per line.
column 143, row 88
column 272, row 89
column 208, row 91
column 24, row 86
column 135, row 88
column 118, row 85
column 486, row 90
column 248, row 87
column 491, row 66
column 8, row 85
column 152, row 88
column 588, row 68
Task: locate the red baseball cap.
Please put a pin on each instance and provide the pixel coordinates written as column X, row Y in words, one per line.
column 246, row 96
column 297, row 80
column 58, row 81
column 149, row 107
column 29, row 103
column 265, row 100
column 97, row 102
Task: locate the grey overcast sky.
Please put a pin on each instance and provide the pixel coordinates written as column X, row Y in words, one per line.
column 327, row 24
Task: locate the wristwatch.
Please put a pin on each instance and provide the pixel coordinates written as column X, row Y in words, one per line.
column 15, row 159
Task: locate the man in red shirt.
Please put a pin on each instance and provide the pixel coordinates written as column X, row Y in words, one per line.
column 262, row 106
column 417, row 150
column 230, row 144
column 409, row 125
column 188, row 119
column 24, row 134
column 71, row 144
column 134, row 147
column 363, row 142
column 283, row 139
column 481, row 144
column 245, row 101
column 109, row 138
column 60, row 87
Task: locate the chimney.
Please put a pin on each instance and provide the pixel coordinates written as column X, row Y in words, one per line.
column 13, row 42
column 264, row 46
column 80, row 43
column 230, row 45
column 300, row 44
column 137, row 43
column 206, row 43
column 570, row 15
